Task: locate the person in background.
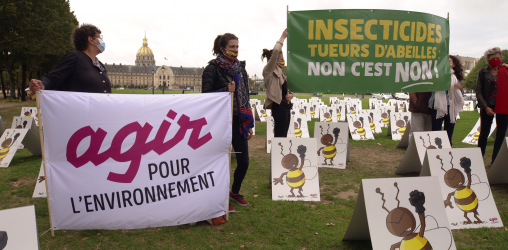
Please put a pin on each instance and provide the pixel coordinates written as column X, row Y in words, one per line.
column 79, row 70
column 421, row 119
column 446, row 105
column 278, row 99
column 226, row 73
column 486, row 94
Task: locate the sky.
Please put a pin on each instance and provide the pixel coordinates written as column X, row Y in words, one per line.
column 184, row 31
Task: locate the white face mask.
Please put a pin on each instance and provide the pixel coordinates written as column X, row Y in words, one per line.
column 101, row 45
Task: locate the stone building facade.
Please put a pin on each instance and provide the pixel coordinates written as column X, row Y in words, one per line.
column 468, row 63
column 146, row 73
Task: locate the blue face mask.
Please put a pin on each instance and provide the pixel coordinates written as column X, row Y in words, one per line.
column 102, row 45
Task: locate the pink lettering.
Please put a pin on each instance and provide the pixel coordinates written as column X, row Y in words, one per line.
column 138, row 149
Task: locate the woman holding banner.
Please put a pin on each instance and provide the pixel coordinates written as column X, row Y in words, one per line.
column 491, row 100
column 277, row 96
column 226, row 73
column 446, row 105
column 79, row 70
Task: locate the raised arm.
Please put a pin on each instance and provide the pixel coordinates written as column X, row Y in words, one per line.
column 277, row 49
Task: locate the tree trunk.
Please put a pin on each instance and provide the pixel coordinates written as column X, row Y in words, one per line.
column 8, row 67
column 3, row 85
column 24, row 76
column 363, row 95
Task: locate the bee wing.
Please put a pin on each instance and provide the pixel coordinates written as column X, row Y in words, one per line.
column 311, row 171
column 341, row 147
column 438, row 237
column 482, row 190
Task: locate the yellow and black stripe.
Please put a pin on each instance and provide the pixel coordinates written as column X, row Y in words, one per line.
column 295, row 178
column 466, row 199
column 361, row 131
column 416, row 243
column 329, row 152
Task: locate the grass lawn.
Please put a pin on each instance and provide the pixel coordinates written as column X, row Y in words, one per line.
column 265, row 224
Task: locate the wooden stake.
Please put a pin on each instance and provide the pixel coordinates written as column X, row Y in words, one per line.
column 448, row 16
column 230, row 148
column 39, row 118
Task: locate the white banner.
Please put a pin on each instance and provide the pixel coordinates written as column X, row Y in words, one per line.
column 135, row 161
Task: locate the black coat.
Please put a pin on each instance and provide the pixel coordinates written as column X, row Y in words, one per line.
column 484, row 87
column 76, row 72
column 214, row 79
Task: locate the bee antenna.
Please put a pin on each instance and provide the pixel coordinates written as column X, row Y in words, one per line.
column 429, row 139
column 378, row 190
column 321, row 129
column 328, row 130
column 291, row 142
column 442, row 164
column 281, row 148
column 422, row 141
column 397, row 196
column 451, row 159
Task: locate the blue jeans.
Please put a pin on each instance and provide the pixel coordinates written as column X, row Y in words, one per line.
column 437, row 123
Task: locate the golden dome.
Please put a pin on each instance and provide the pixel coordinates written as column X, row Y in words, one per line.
column 145, row 50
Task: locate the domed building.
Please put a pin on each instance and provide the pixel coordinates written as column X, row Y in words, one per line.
column 146, row 74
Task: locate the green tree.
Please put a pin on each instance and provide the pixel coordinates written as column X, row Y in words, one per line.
column 472, row 78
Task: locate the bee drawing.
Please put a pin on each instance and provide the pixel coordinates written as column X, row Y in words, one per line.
column 7, row 143
column 329, row 150
column 41, row 178
column 263, row 113
column 401, row 124
column 468, row 106
column 465, row 198
column 298, row 128
column 437, row 140
column 339, row 112
column 313, row 111
column 402, row 223
column 359, row 128
column 295, row 177
column 253, row 106
column 28, row 112
column 371, row 122
column 328, row 116
column 352, row 109
column 386, row 118
column 402, row 106
column 476, row 135
column 303, row 111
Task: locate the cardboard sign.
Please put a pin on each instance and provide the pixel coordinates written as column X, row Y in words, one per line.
column 262, row 113
column 2, row 126
column 402, row 106
column 382, row 117
column 314, row 109
column 328, row 114
column 468, row 106
column 18, row 228
column 474, row 135
column 359, row 127
column 31, row 140
column 498, row 173
column 465, row 188
column 398, row 122
column 270, row 126
column 40, row 184
column 10, row 142
column 305, row 110
column 334, row 100
column 300, row 127
column 294, row 170
column 371, row 116
column 418, row 144
column 353, row 107
column 333, row 144
column 30, row 112
column 340, row 109
column 393, row 103
column 404, row 141
column 401, row 213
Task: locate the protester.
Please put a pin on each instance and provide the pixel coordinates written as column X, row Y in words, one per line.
column 79, row 70
column 277, row 96
column 225, row 73
column 486, row 94
column 446, row 105
column 421, row 119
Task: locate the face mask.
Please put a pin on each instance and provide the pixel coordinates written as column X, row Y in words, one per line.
column 281, row 64
column 494, row 63
column 231, row 55
column 102, row 45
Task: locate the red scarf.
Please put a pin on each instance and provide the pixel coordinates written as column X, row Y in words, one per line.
column 502, row 91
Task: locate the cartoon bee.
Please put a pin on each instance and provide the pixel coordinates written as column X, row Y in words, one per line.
column 402, row 106
column 401, row 124
column 41, row 178
column 329, row 150
column 352, row 109
column 465, row 198
column 328, row 116
column 386, row 117
column 437, row 140
column 263, row 113
column 253, row 106
column 359, row 128
column 468, row 106
column 298, row 128
column 476, row 135
column 339, row 112
column 312, row 111
column 371, row 122
column 7, row 143
column 402, row 223
column 295, row 177
column 303, row 111
column 28, row 112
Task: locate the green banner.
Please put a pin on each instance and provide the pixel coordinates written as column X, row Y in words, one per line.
column 367, row 51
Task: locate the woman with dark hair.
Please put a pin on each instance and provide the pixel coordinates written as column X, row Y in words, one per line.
column 277, row 96
column 446, row 105
column 79, row 70
column 488, row 99
column 226, row 73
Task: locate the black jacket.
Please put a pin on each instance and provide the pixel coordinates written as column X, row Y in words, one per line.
column 484, row 87
column 76, row 72
column 214, row 79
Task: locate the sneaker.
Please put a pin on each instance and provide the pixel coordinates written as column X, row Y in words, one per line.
column 238, row 199
column 231, row 209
